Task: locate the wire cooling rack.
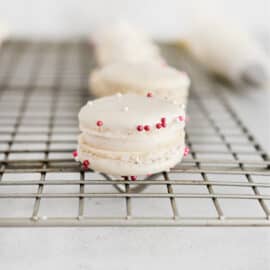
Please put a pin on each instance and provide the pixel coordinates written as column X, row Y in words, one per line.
column 223, row 182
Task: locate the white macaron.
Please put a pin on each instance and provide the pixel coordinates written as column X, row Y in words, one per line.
column 142, row 78
column 124, row 42
column 130, row 135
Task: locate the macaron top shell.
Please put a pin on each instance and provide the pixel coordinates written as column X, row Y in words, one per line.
column 127, row 114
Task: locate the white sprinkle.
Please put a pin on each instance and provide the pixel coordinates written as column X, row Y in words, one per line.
column 35, row 218
column 76, row 158
column 125, row 109
column 119, row 95
column 90, row 103
column 183, row 106
column 174, row 102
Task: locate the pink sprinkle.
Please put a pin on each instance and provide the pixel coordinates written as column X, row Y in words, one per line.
column 75, row 153
column 133, row 178
column 147, row 128
column 163, row 120
column 158, row 125
column 163, row 124
column 149, row 94
column 186, row 151
column 140, row 128
column 99, row 123
column 181, row 118
column 86, row 163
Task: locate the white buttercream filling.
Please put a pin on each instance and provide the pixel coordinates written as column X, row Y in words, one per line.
column 140, row 141
column 146, row 157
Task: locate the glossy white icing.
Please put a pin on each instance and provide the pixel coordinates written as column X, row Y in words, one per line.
column 141, row 111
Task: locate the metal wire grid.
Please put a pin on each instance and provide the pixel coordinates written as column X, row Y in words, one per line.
column 224, row 182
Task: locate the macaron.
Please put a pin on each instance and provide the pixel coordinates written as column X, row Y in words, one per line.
column 124, row 42
column 229, row 51
column 143, row 78
column 119, row 32
column 131, row 135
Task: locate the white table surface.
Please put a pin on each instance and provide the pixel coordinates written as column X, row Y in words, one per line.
column 147, row 248
column 135, row 248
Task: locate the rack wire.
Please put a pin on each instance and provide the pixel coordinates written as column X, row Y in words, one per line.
column 223, row 182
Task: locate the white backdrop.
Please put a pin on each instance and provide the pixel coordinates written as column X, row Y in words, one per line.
column 161, row 18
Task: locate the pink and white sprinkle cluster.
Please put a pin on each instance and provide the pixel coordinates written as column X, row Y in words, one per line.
column 161, row 124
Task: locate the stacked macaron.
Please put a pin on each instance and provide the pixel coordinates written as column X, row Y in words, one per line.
column 130, row 62
column 131, row 135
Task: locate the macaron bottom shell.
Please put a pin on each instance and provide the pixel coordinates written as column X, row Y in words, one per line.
column 117, row 167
